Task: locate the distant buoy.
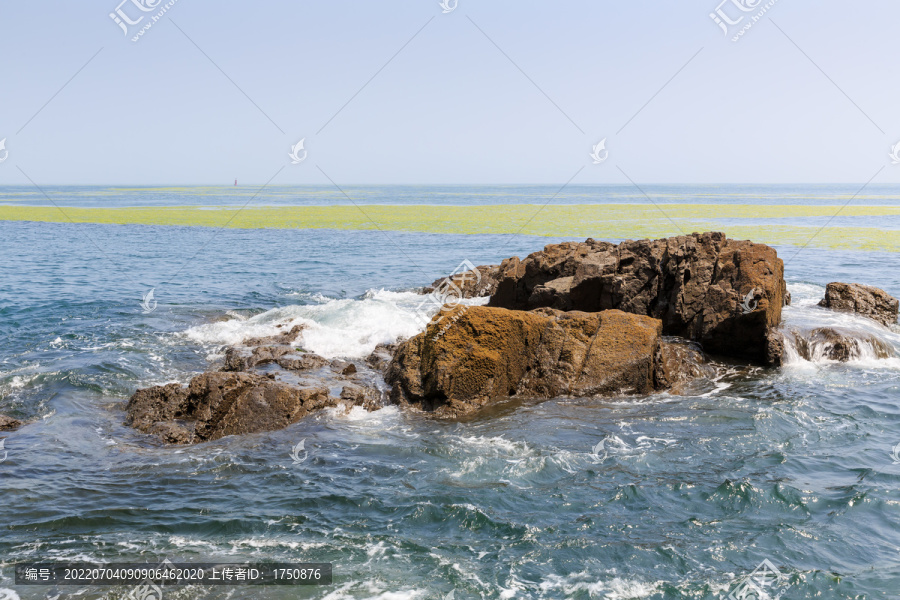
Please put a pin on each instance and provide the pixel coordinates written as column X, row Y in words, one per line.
column 235, row 182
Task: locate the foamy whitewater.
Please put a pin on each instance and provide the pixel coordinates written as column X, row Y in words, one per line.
column 656, row 497
column 333, row 328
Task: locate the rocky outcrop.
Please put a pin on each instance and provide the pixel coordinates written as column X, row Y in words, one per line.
column 9, row 424
column 490, row 354
column 258, row 389
column 865, row 300
column 725, row 294
column 218, row 404
column 476, row 283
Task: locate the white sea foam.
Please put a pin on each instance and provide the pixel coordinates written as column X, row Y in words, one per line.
column 349, row 328
column 613, row 589
column 370, row 590
column 357, row 414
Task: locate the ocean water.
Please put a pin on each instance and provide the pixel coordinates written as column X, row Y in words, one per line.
column 689, row 493
column 453, row 195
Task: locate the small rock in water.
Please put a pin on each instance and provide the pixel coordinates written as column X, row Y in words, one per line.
column 282, row 338
column 8, row 423
column 843, row 345
column 865, row 300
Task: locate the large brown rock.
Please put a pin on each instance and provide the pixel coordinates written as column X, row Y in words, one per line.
column 492, row 353
column 725, row 294
column 217, row 404
column 862, row 299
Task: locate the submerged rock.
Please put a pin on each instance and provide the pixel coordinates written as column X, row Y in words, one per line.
column 838, row 344
column 725, row 294
column 279, row 339
column 490, row 354
column 8, row 423
column 865, row 300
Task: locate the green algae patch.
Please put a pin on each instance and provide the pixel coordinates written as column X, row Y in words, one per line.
column 602, row 221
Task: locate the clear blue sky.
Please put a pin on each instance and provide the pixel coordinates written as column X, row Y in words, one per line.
column 450, row 107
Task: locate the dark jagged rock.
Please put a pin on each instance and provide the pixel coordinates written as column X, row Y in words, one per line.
column 775, row 349
column 476, row 283
column 9, row 424
column 490, row 354
column 725, row 294
column 865, row 300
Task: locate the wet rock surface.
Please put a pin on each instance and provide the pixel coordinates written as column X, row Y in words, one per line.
column 678, row 363
column 725, row 294
column 865, row 300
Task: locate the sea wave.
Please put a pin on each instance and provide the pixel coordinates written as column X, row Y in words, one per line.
column 333, row 328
